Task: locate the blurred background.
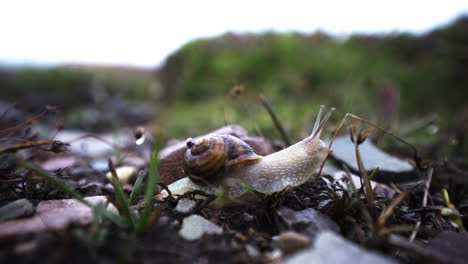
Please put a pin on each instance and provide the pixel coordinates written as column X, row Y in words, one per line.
column 193, row 66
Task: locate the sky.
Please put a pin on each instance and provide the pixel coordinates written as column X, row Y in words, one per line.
column 144, row 33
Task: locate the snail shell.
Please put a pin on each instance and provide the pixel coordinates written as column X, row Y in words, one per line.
column 207, row 159
column 172, row 156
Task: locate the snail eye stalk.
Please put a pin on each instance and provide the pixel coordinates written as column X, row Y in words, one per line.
column 318, row 126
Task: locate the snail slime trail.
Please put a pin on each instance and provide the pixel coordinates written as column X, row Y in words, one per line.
column 223, row 163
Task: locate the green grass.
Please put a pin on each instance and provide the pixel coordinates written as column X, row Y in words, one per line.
column 127, row 218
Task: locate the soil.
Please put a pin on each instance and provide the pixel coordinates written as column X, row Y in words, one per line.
column 246, row 226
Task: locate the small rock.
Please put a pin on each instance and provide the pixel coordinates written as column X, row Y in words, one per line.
column 52, row 215
column 92, row 189
column 331, row 248
column 341, row 178
column 290, row 242
column 100, row 165
column 343, row 149
column 28, row 247
column 248, row 217
column 273, row 256
column 15, row 209
column 185, row 205
column 195, row 226
column 449, row 247
column 92, row 146
column 308, row 221
column 252, row 250
column 54, row 164
column 124, row 173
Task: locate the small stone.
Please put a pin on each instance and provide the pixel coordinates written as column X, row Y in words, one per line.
column 124, row 173
column 15, row 209
column 308, row 221
column 331, row 248
column 59, row 163
column 273, row 256
column 100, row 165
column 248, row 217
column 195, row 226
column 27, row 247
column 185, row 205
column 379, row 188
column 52, row 215
column 448, row 247
column 343, row 149
column 290, row 242
column 252, row 250
column 92, row 188
column 94, row 146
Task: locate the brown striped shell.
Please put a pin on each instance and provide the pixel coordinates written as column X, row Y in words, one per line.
column 207, row 158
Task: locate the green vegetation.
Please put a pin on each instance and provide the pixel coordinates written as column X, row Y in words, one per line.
column 128, row 218
column 384, row 78
column 353, row 74
column 74, row 86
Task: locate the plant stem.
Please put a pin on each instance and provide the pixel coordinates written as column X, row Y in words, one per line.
column 275, row 120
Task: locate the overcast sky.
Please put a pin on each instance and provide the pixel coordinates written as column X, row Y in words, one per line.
column 143, row 33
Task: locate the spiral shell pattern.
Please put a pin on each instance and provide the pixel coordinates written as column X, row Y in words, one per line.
column 207, row 158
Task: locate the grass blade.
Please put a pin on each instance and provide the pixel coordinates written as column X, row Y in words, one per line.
column 374, row 172
column 136, row 188
column 121, row 197
column 57, row 183
column 389, row 210
column 275, row 120
column 150, row 188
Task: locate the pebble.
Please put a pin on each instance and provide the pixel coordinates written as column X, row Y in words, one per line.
column 52, row 215
column 15, row 209
column 195, row 226
column 341, row 178
column 329, row 247
column 448, row 247
column 124, row 173
column 185, row 205
column 290, row 242
column 343, row 149
column 308, row 222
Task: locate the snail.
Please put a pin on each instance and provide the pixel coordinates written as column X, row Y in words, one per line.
column 223, row 163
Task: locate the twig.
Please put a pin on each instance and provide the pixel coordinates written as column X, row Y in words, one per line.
column 362, row 172
column 21, row 179
column 32, row 120
column 237, row 91
column 26, row 145
column 424, row 203
column 389, row 211
column 364, row 209
column 275, row 120
column 350, row 177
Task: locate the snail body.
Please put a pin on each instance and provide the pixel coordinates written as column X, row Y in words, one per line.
column 226, row 163
column 286, row 168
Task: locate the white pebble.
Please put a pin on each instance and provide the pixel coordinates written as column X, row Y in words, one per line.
column 195, row 226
